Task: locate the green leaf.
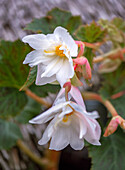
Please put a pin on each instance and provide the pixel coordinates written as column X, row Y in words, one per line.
column 119, row 23
column 111, row 154
column 90, row 33
column 113, row 30
column 75, row 81
column 55, row 17
column 43, row 91
column 12, row 71
column 73, row 24
column 11, row 102
column 31, row 78
column 113, row 82
column 89, row 55
column 119, row 104
column 31, row 109
column 106, row 91
column 9, row 134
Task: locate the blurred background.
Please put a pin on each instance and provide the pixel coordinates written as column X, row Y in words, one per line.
column 14, row 15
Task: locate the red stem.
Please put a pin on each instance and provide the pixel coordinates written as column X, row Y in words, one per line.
column 115, row 96
column 108, row 105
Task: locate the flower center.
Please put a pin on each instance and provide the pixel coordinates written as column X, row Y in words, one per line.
column 59, row 52
column 66, row 117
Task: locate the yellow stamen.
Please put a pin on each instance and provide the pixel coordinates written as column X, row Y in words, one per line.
column 48, row 51
column 59, row 52
column 65, row 118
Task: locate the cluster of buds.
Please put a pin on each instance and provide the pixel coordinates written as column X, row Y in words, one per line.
column 58, row 60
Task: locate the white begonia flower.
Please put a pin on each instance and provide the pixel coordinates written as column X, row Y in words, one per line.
column 70, row 124
column 53, row 55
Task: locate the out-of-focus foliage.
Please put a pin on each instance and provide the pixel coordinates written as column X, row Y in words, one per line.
column 11, row 102
column 9, row 134
column 31, row 109
column 43, row 91
column 115, row 30
column 119, row 104
column 90, row 33
column 110, row 155
column 12, row 72
column 113, row 82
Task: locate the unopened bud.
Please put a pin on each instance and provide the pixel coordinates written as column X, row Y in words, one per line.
column 112, row 127
column 83, row 67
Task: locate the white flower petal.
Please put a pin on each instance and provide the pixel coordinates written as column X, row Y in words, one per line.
column 48, row 133
column 60, row 138
column 61, row 96
column 49, row 114
column 92, row 115
column 93, row 132
column 62, row 34
column 65, row 72
column 77, row 107
column 53, row 67
column 36, row 57
column 66, row 110
column 75, row 93
column 83, row 129
column 44, row 80
column 33, row 58
column 75, row 142
column 59, row 100
column 37, row 41
column 52, row 38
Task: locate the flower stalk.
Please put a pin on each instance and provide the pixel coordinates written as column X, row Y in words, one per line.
column 67, row 87
column 107, row 103
column 106, row 55
column 37, row 98
column 117, row 95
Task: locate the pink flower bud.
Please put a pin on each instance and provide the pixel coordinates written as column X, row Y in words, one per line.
column 112, row 127
column 83, row 66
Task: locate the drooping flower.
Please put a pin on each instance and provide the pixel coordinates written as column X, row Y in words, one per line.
column 70, row 123
column 53, row 56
